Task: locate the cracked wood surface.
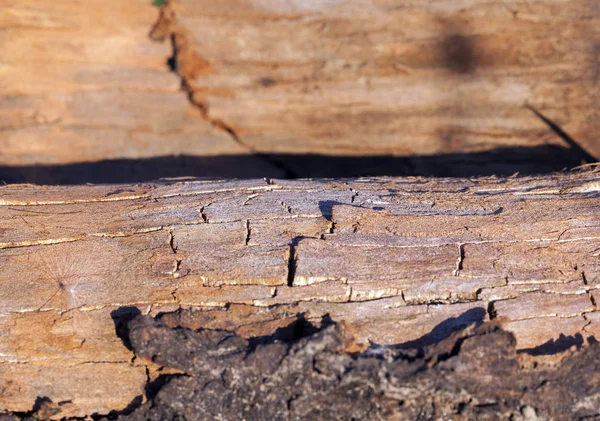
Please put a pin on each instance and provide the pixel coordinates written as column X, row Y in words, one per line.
column 401, row 260
column 82, row 82
column 258, row 81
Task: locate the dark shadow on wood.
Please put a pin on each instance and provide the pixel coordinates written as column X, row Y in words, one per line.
column 326, row 208
column 121, row 318
column 555, row 346
column 576, row 149
column 446, row 328
column 415, row 349
column 458, row 53
column 297, row 329
column 501, row 162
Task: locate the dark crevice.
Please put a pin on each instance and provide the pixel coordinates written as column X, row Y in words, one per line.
column 461, row 259
column 287, row 207
column 331, row 228
column 172, row 242
column 171, row 64
column 491, row 310
column 188, row 65
column 291, row 266
column 248, row 232
column 203, row 215
column 292, row 260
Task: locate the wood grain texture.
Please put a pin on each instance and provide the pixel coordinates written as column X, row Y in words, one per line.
column 278, row 88
column 390, row 77
column 82, row 82
column 401, row 260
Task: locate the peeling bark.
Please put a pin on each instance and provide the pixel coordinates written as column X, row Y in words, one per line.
column 473, row 374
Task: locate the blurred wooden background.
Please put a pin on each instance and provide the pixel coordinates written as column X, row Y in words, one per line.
column 89, row 93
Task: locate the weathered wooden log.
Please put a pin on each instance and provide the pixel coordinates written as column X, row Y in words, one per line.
column 419, row 87
column 400, row 260
column 426, row 88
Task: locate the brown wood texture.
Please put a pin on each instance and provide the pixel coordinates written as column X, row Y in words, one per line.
column 82, row 82
column 440, row 84
column 389, row 77
column 401, row 260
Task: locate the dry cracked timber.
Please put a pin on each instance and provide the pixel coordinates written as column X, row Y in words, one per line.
column 401, row 261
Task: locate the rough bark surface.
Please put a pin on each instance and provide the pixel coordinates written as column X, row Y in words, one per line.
column 474, row 374
column 280, row 88
column 401, row 261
